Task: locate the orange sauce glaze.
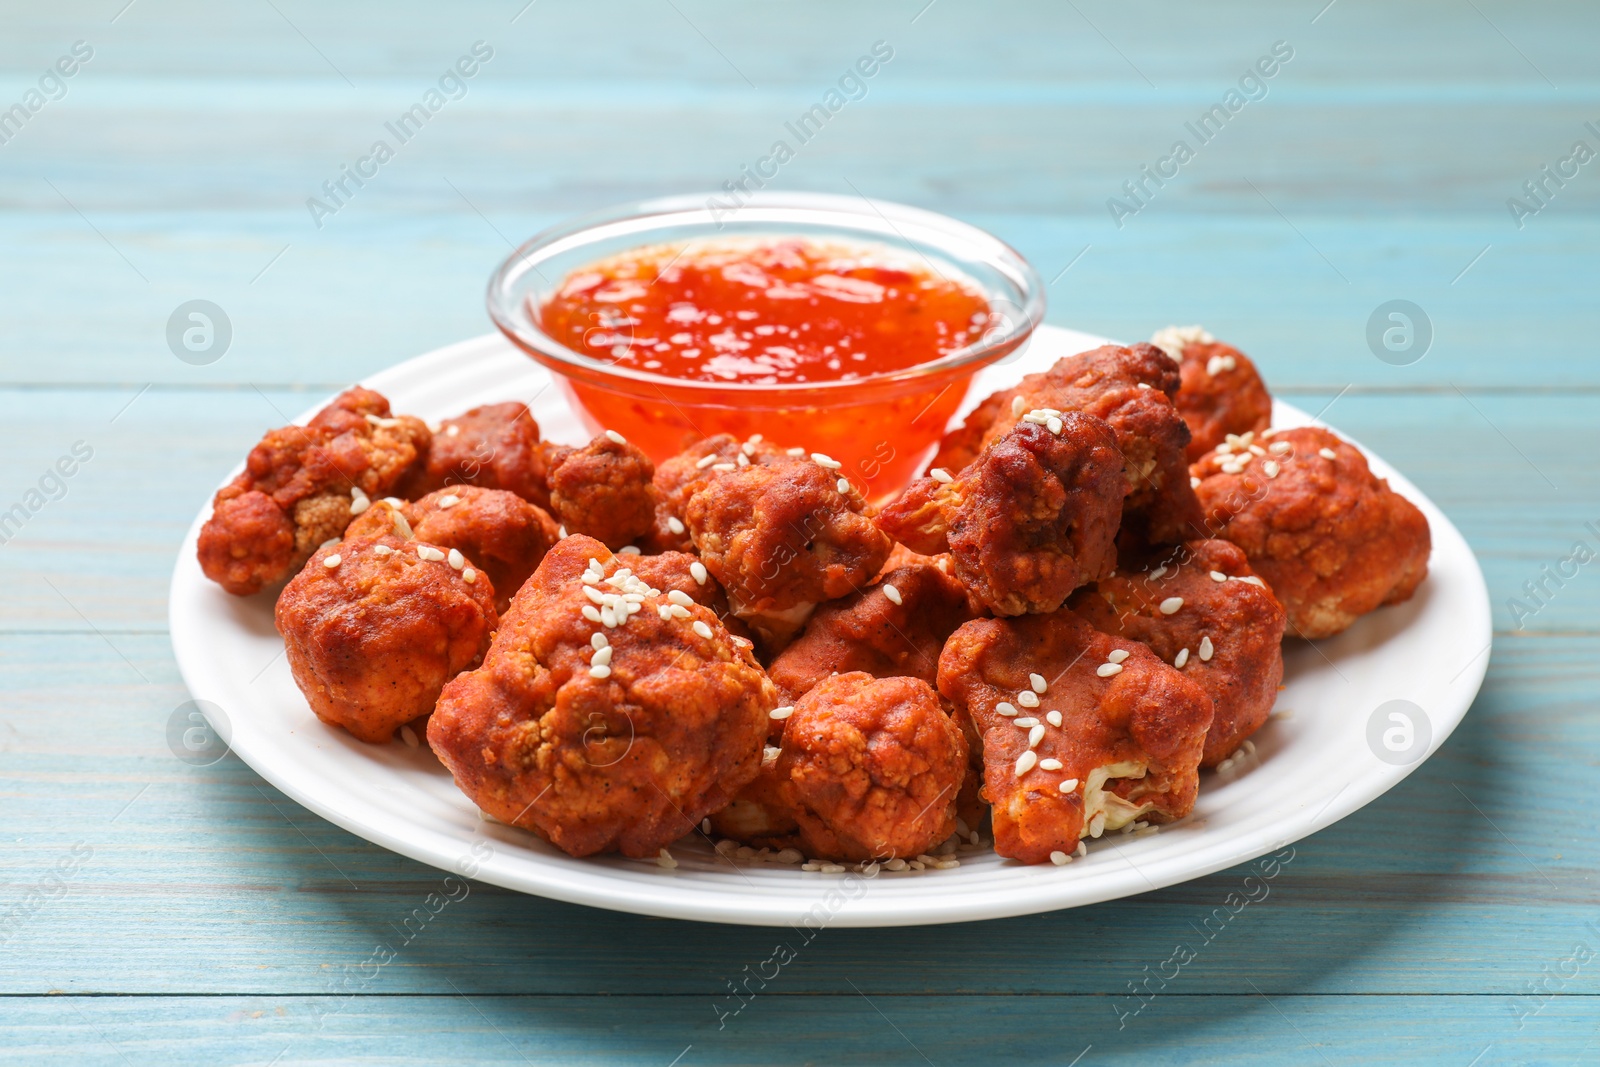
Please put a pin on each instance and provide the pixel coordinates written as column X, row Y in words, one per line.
column 776, row 312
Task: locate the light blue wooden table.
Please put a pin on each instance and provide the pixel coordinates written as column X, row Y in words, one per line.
column 155, row 912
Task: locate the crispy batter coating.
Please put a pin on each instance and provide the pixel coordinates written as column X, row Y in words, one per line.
column 668, row 571
column 625, row 753
column 1131, row 389
column 603, row 491
column 1222, row 392
column 870, row 632
column 1330, row 538
column 1225, row 630
column 871, row 768
column 498, row 531
column 373, row 638
column 1034, row 517
column 495, row 446
column 679, row 476
column 308, row 476
column 781, row 537
column 1128, row 744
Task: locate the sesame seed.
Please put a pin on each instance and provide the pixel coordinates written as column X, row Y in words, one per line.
column 589, row 578
column 1016, row 407
column 843, row 485
column 1035, row 735
column 675, row 524
column 1081, row 851
column 940, row 475
column 1108, row 670
column 382, row 550
column 402, row 528
column 616, row 437
column 1053, row 425
column 382, row 422
column 705, row 461
column 741, row 460
column 1181, row 658
column 359, row 502
column 429, row 553
column 892, row 593
column 701, row 628
column 469, row 576
column 678, row 596
column 781, row 713
column 452, row 430
column 664, row 859
column 1327, row 453
column 594, row 594
column 1037, row 682
column 1053, row 718
column 597, row 641
column 698, row 571
column 601, row 671
column 1025, row 721
column 677, row 611
column 1251, row 580
column 1218, row 576
column 1028, row 698
column 1026, row 761
column 409, row 736
column 794, row 452
column 1097, row 825
column 1171, row 604
column 1059, row 858
column 1270, row 468
column 1207, row 649
column 1116, row 655
column 591, row 613
column 1068, row 785
column 561, row 532
column 1194, row 483
column 1278, row 448
column 723, row 467
column 1050, row 764
column 608, row 618
column 332, row 561
column 1159, row 571
column 665, row 611
column 1005, row 708
column 457, row 560
column 601, row 657
column 822, row 459
column 596, row 567
column 629, row 550
column 450, row 500
column 1144, row 385
column 1257, row 450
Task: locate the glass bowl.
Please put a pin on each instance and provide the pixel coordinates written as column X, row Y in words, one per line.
column 882, row 426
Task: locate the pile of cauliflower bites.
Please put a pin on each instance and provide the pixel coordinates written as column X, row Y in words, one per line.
column 1043, row 639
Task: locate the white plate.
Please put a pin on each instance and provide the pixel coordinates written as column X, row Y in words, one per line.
column 1314, row 768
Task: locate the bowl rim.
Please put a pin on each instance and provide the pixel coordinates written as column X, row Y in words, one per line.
column 852, row 215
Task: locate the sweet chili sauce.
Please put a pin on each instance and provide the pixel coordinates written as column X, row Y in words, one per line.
column 784, row 313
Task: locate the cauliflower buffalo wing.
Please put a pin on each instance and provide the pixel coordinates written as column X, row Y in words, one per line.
column 495, row 446
column 603, row 491
column 302, row 485
column 1132, row 390
column 1032, row 518
column 783, row 535
column 607, row 715
column 1222, row 393
column 1330, row 538
column 374, row 626
column 1081, row 732
column 1201, row 609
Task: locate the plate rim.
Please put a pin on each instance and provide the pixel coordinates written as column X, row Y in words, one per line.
column 666, row 901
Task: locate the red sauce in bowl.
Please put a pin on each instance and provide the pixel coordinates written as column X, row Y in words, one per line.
column 768, row 313
column 779, row 323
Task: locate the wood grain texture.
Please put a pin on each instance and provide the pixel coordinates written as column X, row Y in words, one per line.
column 206, row 918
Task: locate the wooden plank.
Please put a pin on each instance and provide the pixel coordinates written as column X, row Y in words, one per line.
column 777, row 1029
column 107, row 545
column 212, row 882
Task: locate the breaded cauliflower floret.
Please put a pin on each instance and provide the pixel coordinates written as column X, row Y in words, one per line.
column 1081, row 732
column 607, row 716
column 603, row 491
column 1132, row 390
column 1222, row 392
column 1032, row 518
column 894, row 628
column 495, row 446
column 302, row 485
column 677, row 477
column 1200, row 608
column 1329, row 537
column 782, row 536
column 375, row 626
